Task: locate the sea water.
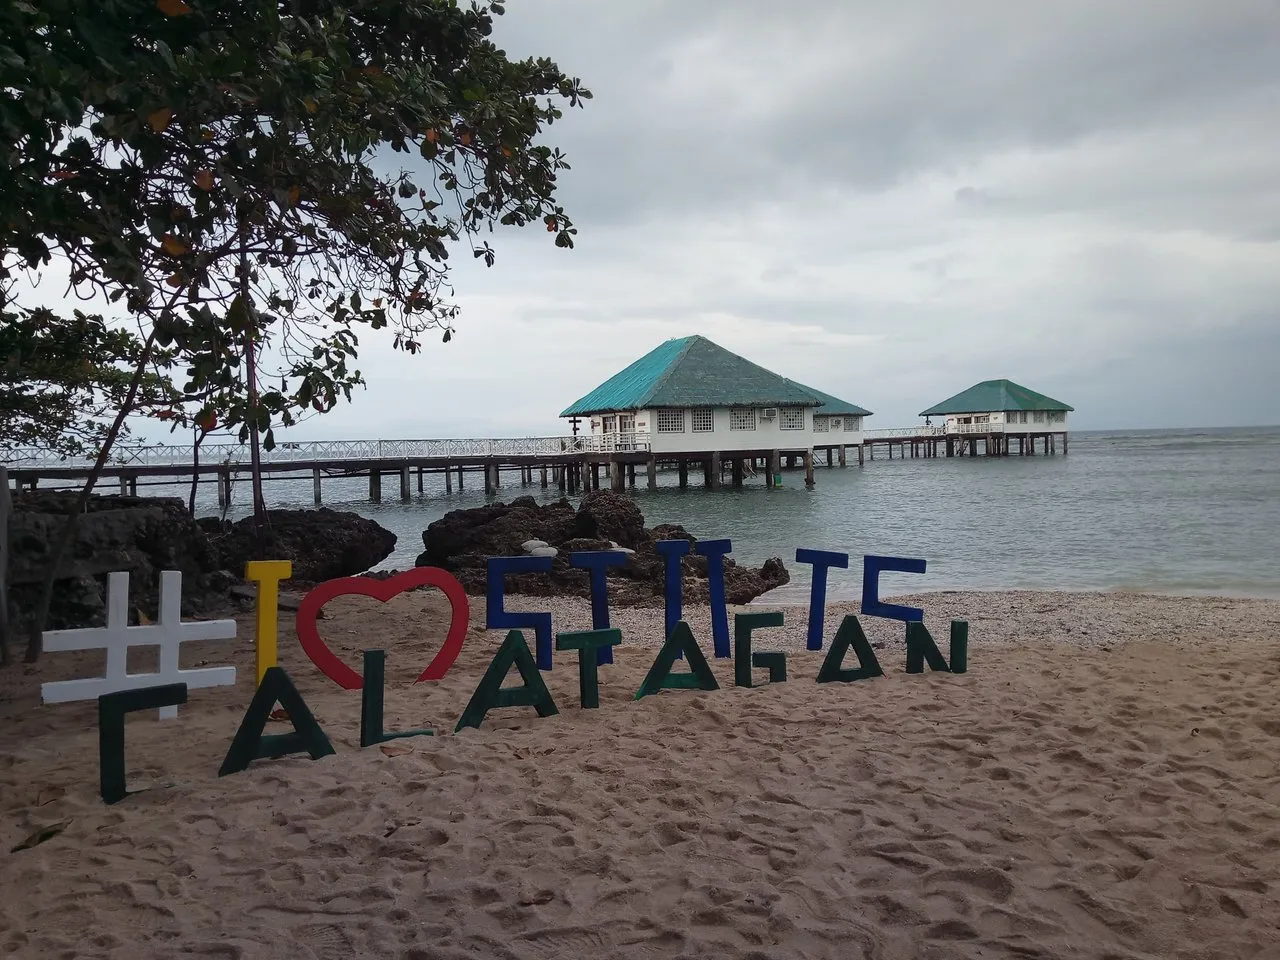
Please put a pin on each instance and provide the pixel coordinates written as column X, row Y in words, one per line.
column 1167, row 511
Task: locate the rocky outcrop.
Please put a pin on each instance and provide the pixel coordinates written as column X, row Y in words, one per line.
column 463, row 541
column 143, row 535
column 146, row 535
column 323, row 544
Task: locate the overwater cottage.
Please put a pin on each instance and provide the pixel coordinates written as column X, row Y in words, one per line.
column 997, row 410
column 691, row 400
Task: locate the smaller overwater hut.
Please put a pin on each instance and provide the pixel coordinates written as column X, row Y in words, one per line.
column 998, row 411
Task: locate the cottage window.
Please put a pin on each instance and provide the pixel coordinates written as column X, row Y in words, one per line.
column 792, row 418
column 610, row 425
column 1038, row 416
column 702, row 420
column 820, row 424
column 742, row 419
column 1022, row 417
column 854, row 424
column 836, row 424
column 1057, row 416
column 671, row 421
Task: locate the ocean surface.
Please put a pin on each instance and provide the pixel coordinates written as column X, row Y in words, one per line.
column 1164, row 511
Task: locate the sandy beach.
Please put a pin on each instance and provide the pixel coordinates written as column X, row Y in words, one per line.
column 1104, row 782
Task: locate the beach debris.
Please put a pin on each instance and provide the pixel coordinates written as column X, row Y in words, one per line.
column 41, row 835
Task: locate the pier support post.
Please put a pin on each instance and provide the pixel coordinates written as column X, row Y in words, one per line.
column 808, row 470
column 224, row 488
column 448, row 479
column 652, row 469
column 843, row 456
column 775, row 468
column 951, row 450
column 544, row 476
column 595, row 476
column 1064, row 444
column 406, row 493
column 124, row 485
column 860, row 460
column 618, row 477
column 375, row 485
column 683, row 469
column 460, row 471
column 736, row 467
column 830, row 457
column 631, row 475
column 713, row 471
column 421, row 485
column 315, row 485
column 558, row 472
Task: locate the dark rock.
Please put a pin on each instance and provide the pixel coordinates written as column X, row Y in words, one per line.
column 463, row 541
column 611, row 516
column 322, row 544
column 140, row 535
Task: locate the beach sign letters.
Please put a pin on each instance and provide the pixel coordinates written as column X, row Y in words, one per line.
column 119, row 692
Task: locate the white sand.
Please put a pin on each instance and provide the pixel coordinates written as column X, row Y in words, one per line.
column 1099, row 794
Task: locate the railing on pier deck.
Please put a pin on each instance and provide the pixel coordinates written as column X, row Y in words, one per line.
column 152, row 455
column 905, row 433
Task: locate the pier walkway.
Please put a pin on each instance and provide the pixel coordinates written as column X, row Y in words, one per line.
column 573, row 464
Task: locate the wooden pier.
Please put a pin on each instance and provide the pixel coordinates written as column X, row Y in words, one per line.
column 571, row 464
column 972, row 440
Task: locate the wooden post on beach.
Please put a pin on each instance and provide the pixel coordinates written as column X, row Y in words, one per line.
column 375, row 485
column 315, row 485
column 405, row 491
column 808, row 470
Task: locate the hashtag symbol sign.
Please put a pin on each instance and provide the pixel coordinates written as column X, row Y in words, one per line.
column 117, row 637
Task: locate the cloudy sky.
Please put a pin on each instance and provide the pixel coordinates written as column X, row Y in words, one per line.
column 889, row 201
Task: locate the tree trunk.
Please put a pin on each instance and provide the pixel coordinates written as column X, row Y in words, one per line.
column 261, row 522
column 68, row 531
column 195, row 471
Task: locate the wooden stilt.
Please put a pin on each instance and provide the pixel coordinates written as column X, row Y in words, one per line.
column 448, row 479
column 808, row 470
column 405, row 482
column 375, row 485
column 315, row 485
column 683, row 469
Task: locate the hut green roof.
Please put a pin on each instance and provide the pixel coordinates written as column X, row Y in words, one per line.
column 992, row 396
column 692, row 372
column 835, row 407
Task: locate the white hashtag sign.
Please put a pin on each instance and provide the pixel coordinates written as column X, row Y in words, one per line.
column 117, row 637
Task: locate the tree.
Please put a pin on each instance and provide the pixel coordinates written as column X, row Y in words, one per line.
column 221, row 168
column 62, row 380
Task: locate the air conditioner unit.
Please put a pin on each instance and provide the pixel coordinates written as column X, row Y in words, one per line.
column 769, row 413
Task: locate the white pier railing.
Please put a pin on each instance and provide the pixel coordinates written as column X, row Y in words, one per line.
column 906, row 433
column 149, row 455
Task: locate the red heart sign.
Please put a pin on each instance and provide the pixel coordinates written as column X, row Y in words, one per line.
column 382, row 590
